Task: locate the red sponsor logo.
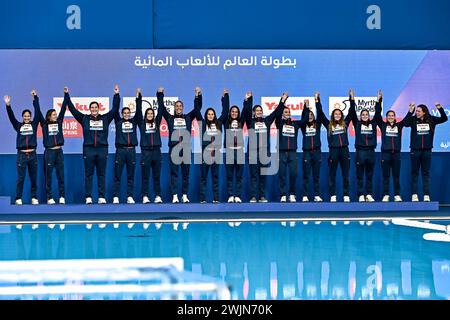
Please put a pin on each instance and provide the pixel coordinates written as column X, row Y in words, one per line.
column 84, row 107
column 72, row 129
column 271, row 106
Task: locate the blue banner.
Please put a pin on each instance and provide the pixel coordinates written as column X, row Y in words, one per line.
column 404, row 76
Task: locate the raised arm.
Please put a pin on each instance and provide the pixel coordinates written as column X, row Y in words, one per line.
column 320, row 115
column 407, row 121
column 278, row 118
column 278, row 112
column 225, row 106
column 378, row 118
column 407, row 118
column 443, row 118
column 114, row 112
column 198, row 103
column 161, row 107
column 247, row 108
column 351, row 115
column 138, row 114
column 62, row 112
column 76, row 114
column 11, row 116
column 305, row 113
column 38, row 117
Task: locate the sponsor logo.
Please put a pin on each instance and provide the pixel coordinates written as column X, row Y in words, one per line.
column 269, row 104
column 71, row 128
column 152, row 102
column 82, row 104
column 343, row 103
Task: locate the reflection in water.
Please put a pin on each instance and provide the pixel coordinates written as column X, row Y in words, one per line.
column 265, row 260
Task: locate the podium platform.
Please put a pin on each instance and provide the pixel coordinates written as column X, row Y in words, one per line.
column 223, row 212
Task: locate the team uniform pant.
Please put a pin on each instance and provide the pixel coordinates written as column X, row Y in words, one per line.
column 420, row 160
column 125, row 157
column 312, row 160
column 151, row 159
column 235, row 169
column 26, row 160
column 365, row 163
column 390, row 164
column 341, row 157
column 54, row 159
column 95, row 158
column 288, row 159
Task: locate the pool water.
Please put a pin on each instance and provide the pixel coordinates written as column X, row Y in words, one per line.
column 264, row 260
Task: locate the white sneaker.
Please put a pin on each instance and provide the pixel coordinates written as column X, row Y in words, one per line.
column 333, row 199
column 34, row 201
column 305, row 199
column 253, row 200
column 175, row 199
column 51, row 201
column 101, row 201
column 369, row 198
column 145, row 200
column 184, row 198
column 292, row 198
column 414, row 198
column 88, row 200
column 237, row 200
column 62, row 200
column 130, row 200
column 115, row 200
column 426, row 198
column 318, row 199
column 361, row 198
column 283, row 199
column 19, row 202
column 398, row 199
column 346, row 199
column 158, row 199
column 386, row 198
column 230, row 200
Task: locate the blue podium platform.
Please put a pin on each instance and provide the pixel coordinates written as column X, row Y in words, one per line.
column 79, row 213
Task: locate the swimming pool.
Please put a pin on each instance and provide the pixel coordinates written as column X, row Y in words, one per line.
column 264, row 260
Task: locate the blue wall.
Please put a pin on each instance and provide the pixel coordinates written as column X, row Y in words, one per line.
column 74, row 174
column 405, row 24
